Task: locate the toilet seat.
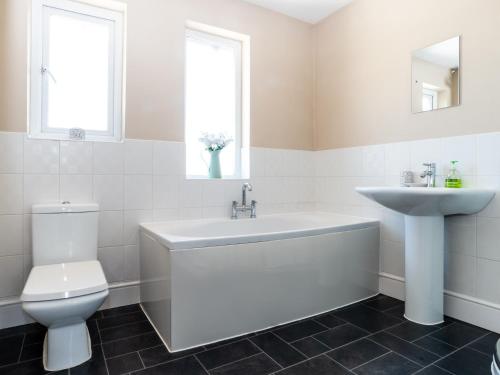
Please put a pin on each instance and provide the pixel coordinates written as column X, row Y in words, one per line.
column 64, row 280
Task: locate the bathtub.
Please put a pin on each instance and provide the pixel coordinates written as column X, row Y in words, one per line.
column 204, row 281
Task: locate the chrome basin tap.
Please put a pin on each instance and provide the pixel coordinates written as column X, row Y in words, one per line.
column 244, row 208
column 430, row 174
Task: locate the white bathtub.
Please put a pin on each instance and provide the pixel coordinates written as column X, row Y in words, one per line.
column 204, row 281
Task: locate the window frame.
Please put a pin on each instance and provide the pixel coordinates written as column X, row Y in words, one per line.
column 102, row 11
column 434, row 95
column 211, row 34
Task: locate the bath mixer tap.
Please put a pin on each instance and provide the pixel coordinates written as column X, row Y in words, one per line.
column 244, row 208
column 430, row 174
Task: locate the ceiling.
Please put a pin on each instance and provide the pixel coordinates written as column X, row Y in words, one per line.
column 446, row 53
column 311, row 11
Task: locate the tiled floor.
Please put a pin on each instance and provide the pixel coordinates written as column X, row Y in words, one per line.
column 369, row 338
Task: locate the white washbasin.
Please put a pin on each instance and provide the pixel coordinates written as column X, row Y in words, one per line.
column 424, row 210
column 422, row 201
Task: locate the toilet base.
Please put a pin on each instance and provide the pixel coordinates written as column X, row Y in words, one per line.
column 66, row 346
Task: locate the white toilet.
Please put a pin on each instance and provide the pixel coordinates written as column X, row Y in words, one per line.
column 67, row 283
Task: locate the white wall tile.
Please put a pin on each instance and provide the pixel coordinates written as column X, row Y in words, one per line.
column 166, row 191
column 113, row 263
column 488, row 280
column 132, row 270
column 191, row 193
column 110, row 228
column 76, row 188
column 131, row 221
column 11, row 152
column 460, row 234
column 138, row 156
column 397, row 159
column 76, row 157
column 138, row 192
column 462, row 149
column 11, row 196
column 11, row 235
column 40, row 189
column 488, row 238
column 392, row 258
column 374, row 160
column 11, row 276
column 169, row 158
column 488, row 154
column 27, row 237
column 213, row 194
column 168, row 214
column 425, row 151
column 460, row 273
column 108, row 158
column 108, row 191
column 41, row 156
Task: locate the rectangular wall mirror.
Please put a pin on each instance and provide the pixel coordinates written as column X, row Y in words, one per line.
column 436, row 76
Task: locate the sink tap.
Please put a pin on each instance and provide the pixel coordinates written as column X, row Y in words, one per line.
column 430, row 174
column 244, row 208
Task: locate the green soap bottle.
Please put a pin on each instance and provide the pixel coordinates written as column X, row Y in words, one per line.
column 453, row 179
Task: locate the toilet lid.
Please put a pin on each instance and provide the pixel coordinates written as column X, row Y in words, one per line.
column 65, row 280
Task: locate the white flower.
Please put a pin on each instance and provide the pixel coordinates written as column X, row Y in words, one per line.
column 214, row 142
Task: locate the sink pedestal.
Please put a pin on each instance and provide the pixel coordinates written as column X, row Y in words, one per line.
column 424, row 269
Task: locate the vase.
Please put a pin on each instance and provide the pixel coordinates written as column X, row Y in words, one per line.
column 214, row 167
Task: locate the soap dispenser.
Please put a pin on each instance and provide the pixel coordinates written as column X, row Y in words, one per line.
column 453, row 180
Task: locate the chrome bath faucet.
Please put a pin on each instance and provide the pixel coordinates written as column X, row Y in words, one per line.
column 430, row 174
column 244, row 208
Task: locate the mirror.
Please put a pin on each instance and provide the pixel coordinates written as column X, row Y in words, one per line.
column 436, row 76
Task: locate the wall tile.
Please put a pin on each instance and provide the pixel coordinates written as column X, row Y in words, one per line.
column 108, row 158
column 110, row 228
column 488, row 154
column 374, row 160
column 425, row 151
column 113, row 263
column 40, row 189
column 41, row 156
column 138, row 192
column 76, row 188
column 166, row 191
column 392, row 258
column 191, row 193
column 213, row 194
column 169, row 158
column 397, row 159
column 488, row 238
column 108, row 191
column 462, row 149
column 460, row 273
column 460, row 234
column 131, row 271
column 138, row 156
column 131, row 221
column 11, row 235
column 488, row 279
column 76, row 157
column 11, row 197
column 11, row 276
column 11, row 152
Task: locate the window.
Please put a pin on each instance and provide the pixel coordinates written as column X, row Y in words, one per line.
column 429, row 99
column 77, row 70
column 216, row 93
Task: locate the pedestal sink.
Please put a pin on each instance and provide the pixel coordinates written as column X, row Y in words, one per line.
column 424, row 210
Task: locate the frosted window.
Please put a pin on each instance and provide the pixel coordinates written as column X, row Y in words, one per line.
column 213, row 100
column 78, row 77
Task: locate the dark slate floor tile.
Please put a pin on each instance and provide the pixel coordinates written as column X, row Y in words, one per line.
column 329, row 320
column 383, row 303
column 32, row 352
column 458, row 334
column 435, row 346
column 121, row 332
column 96, row 365
column 411, row 331
column 310, row 347
column 487, row 344
column 277, row 349
column 406, row 349
column 20, row 330
column 183, row 366
column 119, row 320
column 121, row 310
column 466, row 362
column 317, row 366
column 131, row 344
column 229, row 341
column 35, row 337
column 160, row 354
column 389, row 364
column 341, row 335
column 95, row 338
column 96, row 315
column 432, row 370
column 300, row 330
column 24, row 368
column 10, row 349
column 258, row 364
column 367, row 318
column 124, row 364
column 398, row 311
column 357, row 353
column 226, row 354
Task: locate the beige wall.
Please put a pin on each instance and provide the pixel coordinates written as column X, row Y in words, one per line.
column 363, row 70
column 281, row 76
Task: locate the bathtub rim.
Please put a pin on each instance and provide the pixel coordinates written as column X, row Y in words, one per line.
column 179, row 243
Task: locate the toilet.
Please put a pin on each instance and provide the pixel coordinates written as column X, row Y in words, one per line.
column 495, row 365
column 67, row 284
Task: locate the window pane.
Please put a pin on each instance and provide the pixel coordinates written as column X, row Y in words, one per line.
column 78, row 59
column 211, row 100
